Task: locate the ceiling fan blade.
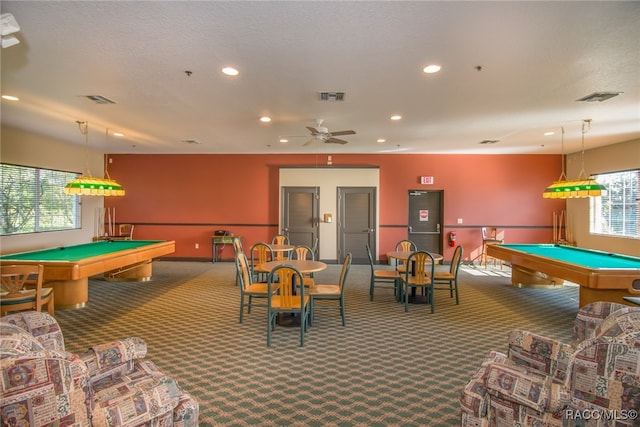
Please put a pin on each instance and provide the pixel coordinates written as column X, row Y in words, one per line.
column 344, row 132
column 336, row 141
column 308, row 142
column 313, row 131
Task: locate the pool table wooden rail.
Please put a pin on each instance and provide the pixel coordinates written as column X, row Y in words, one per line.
column 596, row 284
column 69, row 279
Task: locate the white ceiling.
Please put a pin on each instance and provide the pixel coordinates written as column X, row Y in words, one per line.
column 510, row 72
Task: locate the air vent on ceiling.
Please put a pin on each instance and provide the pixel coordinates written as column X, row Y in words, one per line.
column 99, row 99
column 489, row 141
column 599, row 96
column 191, row 141
column 331, row 96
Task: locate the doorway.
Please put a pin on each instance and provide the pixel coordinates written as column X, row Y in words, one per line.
column 425, row 219
column 300, row 213
column 357, row 222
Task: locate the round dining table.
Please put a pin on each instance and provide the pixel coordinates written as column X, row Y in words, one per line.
column 304, row 266
column 403, row 256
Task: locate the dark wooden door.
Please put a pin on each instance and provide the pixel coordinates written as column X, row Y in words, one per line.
column 300, row 213
column 425, row 220
column 356, row 222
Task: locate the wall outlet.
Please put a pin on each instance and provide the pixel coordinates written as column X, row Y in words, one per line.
column 197, row 245
column 459, row 220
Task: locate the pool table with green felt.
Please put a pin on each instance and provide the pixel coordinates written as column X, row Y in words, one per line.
column 602, row 276
column 67, row 268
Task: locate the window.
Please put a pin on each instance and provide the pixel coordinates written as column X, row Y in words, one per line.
column 616, row 212
column 32, row 200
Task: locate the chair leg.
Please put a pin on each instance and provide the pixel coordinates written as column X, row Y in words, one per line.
column 344, row 323
column 371, row 286
column 455, row 284
column 405, row 289
column 241, row 307
column 431, row 296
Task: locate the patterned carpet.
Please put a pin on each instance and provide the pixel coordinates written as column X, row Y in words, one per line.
column 385, row 368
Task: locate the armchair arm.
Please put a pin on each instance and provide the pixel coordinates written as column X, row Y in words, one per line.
column 526, row 388
column 591, row 316
column 40, row 325
column 111, row 358
column 540, row 354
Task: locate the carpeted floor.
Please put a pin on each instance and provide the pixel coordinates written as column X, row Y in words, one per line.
column 385, row 368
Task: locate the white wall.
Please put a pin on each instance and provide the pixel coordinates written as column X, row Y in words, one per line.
column 27, row 149
column 612, row 158
column 328, row 180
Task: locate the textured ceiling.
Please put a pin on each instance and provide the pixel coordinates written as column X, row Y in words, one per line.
column 510, row 72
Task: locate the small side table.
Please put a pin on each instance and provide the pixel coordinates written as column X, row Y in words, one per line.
column 219, row 240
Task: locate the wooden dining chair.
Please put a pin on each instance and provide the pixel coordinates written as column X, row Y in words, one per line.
column 304, row 252
column 489, row 237
column 382, row 278
column 249, row 289
column 260, row 253
column 280, row 239
column 22, row 289
column 419, row 275
column 331, row 292
column 289, row 299
column 404, row 246
column 237, row 249
column 450, row 277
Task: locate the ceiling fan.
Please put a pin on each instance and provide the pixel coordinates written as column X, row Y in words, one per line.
column 321, row 133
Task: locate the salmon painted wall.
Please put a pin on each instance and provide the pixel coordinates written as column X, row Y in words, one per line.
column 186, row 197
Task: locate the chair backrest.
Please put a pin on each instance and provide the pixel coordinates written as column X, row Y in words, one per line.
column 243, row 269
column 346, row 266
column 280, row 239
column 126, row 230
column 406, row 246
column 287, row 278
column 489, row 233
column 14, row 278
column 421, row 265
column 237, row 245
column 261, row 253
column 456, row 260
column 302, row 252
column 370, row 257
column 314, row 248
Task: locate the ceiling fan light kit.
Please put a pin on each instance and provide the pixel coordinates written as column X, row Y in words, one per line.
column 321, row 133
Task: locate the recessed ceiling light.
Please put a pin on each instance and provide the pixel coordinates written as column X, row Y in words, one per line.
column 10, row 98
column 265, row 119
column 283, row 140
column 380, row 141
column 396, row 117
column 118, row 134
column 430, row 69
column 549, row 133
column 230, row 71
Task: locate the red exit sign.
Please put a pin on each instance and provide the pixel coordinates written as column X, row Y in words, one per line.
column 426, row 180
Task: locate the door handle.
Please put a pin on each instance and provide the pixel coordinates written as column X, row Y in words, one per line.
column 424, row 232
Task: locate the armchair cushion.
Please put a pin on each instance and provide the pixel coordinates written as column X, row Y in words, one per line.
column 109, row 385
column 540, row 354
column 527, row 388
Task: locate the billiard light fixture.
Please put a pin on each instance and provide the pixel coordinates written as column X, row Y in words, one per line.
column 87, row 185
column 576, row 188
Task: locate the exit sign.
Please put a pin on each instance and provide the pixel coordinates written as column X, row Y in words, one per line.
column 426, row 180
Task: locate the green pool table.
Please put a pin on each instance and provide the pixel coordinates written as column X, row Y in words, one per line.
column 67, row 268
column 602, row 276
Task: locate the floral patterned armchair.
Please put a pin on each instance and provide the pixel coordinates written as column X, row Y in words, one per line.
column 543, row 382
column 109, row 385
